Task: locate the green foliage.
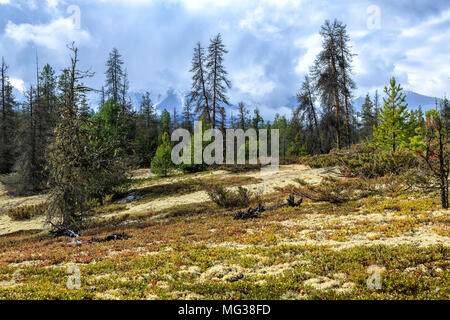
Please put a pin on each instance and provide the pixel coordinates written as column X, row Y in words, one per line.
column 321, row 160
column 85, row 163
column 369, row 119
column 162, row 164
column 335, row 191
column 164, row 125
column 147, row 132
column 365, row 161
column 192, row 168
column 392, row 131
column 432, row 145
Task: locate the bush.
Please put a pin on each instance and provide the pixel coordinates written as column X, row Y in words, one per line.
column 320, row 160
column 226, row 198
column 27, row 212
column 370, row 163
column 334, row 190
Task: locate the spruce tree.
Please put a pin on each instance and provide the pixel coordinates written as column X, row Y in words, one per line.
column 217, row 78
column 146, row 141
column 327, row 76
column 114, row 76
column 368, row 118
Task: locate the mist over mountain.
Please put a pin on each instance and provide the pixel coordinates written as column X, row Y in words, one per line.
column 176, row 99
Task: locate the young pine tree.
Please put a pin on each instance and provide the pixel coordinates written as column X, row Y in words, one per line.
column 162, row 164
column 392, row 132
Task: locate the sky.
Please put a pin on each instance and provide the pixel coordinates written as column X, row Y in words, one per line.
column 271, row 43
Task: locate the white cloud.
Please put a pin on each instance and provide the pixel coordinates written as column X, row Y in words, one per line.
column 52, row 3
column 5, row 2
column 312, row 45
column 55, row 35
column 252, row 81
column 17, row 83
column 425, row 61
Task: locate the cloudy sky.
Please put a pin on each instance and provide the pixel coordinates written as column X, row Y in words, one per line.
column 271, row 43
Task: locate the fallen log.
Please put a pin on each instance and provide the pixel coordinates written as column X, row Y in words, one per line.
column 111, row 237
column 255, row 213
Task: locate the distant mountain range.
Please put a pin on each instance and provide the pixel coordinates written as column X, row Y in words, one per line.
column 414, row 101
column 176, row 99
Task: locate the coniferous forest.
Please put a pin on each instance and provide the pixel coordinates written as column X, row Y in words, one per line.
column 372, row 181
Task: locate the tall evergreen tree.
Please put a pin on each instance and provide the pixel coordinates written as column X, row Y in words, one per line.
column 30, row 166
column 326, row 73
column 257, row 121
column 7, row 121
column 175, row 119
column 345, row 58
column 368, row 117
column 307, row 111
column 37, row 132
column 165, row 125
column 114, row 76
column 84, row 166
column 188, row 115
column 376, row 106
column 123, row 93
column 217, row 78
column 243, row 114
column 200, row 92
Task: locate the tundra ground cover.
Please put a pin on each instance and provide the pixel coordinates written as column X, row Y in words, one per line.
column 197, row 251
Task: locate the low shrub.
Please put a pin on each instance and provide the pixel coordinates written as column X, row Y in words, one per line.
column 227, row 198
column 321, row 160
column 27, row 212
column 334, row 190
column 366, row 162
